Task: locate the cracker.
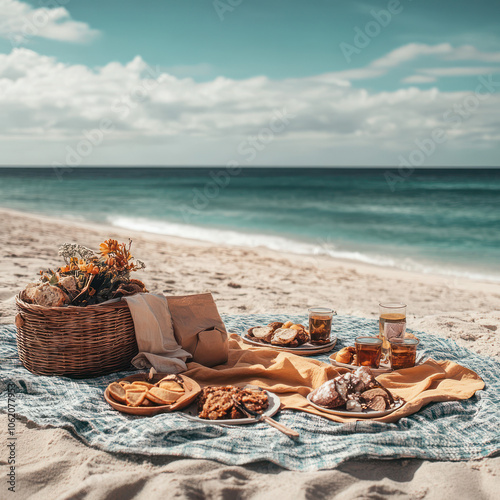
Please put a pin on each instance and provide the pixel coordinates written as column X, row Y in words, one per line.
column 171, row 385
column 162, row 396
column 141, row 383
column 117, row 392
column 135, row 397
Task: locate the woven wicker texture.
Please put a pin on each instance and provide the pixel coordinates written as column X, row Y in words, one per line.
column 76, row 342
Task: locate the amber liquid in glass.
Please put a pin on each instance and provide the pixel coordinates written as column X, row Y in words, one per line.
column 319, row 329
column 391, row 325
column 369, row 355
column 403, row 356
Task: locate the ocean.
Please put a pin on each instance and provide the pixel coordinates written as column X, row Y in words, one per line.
column 444, row 221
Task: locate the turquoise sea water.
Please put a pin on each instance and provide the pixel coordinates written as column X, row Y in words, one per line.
column 433, row 220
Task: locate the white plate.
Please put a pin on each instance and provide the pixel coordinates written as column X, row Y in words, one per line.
column 191, row 412
column 357, row 414
column 303, row 350
column 375, row 371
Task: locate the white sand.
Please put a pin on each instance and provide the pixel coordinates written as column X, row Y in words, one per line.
column 55, row 464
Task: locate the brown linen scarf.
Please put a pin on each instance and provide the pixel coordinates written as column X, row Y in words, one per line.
column 199, row 328
column 292, row 377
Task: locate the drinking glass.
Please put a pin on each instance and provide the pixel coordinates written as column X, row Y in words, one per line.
column 368, row 351
column 320, row 324
column 403, row 353
column 392, row 325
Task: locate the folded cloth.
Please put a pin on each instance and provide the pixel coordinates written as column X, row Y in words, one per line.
column 293, row 377
column 155, row 334
column 199, row 328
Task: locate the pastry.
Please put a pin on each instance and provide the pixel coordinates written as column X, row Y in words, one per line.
column 216, row 403
column 162, row 396
column 261, row 333
column 171, row 385
column 284, row 336
column 117, row 392
column 141, row 393
column 345, row 355
column 135, row 397
column 280, row 334
column 290, row 337
column 327, row 395
column 275, row 325
column 140, row 383
column 356, row 391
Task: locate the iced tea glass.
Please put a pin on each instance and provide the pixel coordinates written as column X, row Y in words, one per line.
column 368, row 351
column 392, row 325
column 320, row 324
column 403, row 353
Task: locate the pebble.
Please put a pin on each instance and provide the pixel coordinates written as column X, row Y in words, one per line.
column 468, row 336
column 493, row 328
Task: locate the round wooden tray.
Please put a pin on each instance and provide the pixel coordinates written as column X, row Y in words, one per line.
column 192, row 391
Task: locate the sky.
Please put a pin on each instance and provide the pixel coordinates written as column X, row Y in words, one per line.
column 250, row 83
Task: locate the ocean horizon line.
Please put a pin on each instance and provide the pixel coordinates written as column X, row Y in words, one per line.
column 256, row 167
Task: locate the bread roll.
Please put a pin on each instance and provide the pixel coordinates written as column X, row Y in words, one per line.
column 30, row 291
column 345, row 355
column 50, row 296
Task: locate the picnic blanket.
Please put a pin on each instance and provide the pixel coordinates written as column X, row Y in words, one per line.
column 448, row 430
column 293, row 377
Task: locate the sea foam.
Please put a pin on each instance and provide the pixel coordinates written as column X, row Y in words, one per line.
column 282, row 244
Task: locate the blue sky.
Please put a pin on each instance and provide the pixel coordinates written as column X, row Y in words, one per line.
column 363, row 80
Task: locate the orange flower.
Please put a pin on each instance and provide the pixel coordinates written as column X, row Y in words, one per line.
column 108, row 246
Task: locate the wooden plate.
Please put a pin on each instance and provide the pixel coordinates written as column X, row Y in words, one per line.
column 192, row 390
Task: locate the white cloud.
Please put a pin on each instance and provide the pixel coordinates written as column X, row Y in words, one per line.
column 469, row 52
column 460, row 71
column 160, row 118
column 419, row 79
column 409, row 52
column 20, row 22
column 412, row 51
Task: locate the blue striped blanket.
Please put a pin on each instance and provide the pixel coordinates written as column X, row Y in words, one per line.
column 452, row 430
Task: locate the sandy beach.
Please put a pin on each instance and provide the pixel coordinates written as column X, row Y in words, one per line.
column 56, row 464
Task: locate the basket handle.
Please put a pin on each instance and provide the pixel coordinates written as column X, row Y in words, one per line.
column 19, row 320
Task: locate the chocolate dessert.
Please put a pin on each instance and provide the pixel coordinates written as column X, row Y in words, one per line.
column 353, row 391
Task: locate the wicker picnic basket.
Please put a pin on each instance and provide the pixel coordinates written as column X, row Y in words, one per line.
column 77, row 342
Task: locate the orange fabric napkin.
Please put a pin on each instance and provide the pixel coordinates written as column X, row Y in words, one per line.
column 292, row 377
